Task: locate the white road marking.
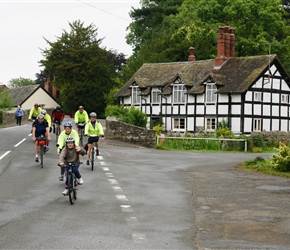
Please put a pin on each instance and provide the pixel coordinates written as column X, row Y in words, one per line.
column 112, row 181
column 109, row 175
column 103, row 163
column 139, row 237
column 6, row 153
column 121, row 197
column 106, row 169
column 126, row 208
column 19, row 143
column 116, row 188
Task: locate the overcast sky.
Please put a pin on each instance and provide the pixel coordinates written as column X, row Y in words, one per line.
column 25, row 23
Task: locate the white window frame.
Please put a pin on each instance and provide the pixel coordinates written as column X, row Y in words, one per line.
column 136, row 98
column 178, row 93
column 257, row 124
column 257, row 96
column 284, row 98
column 156, row 97
column 179, row 124
column 210, row 124
column 211, row 96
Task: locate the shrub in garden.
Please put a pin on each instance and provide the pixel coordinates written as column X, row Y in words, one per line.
column 281, row 160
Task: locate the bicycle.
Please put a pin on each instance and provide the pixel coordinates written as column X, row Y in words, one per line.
column 72, row 182
column 41, row 142
column 57, row 128
column 93, row 151
column 81, row 126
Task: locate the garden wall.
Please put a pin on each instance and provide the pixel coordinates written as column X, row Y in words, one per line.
column 272, row 137
column 118, row 130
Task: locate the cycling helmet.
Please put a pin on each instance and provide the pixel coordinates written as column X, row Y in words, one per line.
column 58, row 107
column 93, row 114
column 36, row 105
column 81, row 107
column 70, row 139
column 43, row 112
column 40, row 116
column 67, row 124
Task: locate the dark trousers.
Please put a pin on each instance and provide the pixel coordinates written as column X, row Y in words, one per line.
column 18, row 120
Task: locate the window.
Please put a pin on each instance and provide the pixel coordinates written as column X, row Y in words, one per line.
column 136, row 99
column 210, row 93
column 210, row 124
column 178, row 93
column 179, row 123
column 156, row 98
column 257, row 124
column 257, row 96
column 284, row 98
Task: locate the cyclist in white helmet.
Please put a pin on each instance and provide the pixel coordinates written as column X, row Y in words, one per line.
column 93, row 130
column 47, row 118
column 61, row 142
column 71, row 153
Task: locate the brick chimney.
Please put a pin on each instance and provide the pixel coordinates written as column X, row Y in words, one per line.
column 191, row 56
column 226, row 45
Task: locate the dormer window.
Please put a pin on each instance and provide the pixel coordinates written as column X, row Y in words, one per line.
column 178, row 93
column 211, row 93
column 136, row 98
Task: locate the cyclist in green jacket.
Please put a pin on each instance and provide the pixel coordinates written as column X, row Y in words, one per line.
column 93, row 130
column 81, row 116
column 61, row 142
column 34, row 112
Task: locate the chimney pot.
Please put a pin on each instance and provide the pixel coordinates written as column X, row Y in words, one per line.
column 191, row 56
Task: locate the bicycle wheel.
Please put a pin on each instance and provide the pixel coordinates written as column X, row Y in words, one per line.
column 56, row 132
column 81, row 136
column 71, row 188
column 41, row 153
column 92, row 157
column 75, row 188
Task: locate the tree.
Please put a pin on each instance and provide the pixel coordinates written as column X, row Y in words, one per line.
column 6, row 102
column 19, row 82
column 83, row 72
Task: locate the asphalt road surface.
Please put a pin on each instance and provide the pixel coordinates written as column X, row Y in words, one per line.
column 139, row 198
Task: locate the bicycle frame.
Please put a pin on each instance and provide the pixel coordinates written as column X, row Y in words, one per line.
column 41, row 142
column 57, row 129
column 72, row 182
column 81, row 127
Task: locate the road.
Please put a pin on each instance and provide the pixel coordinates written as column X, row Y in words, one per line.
column 139, row 198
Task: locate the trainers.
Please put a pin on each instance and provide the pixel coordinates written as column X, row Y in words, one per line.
column 60, row 178
column 88, row 162
column 36, row 159
column 65, row 192
column 80, row 181
column 97, row 152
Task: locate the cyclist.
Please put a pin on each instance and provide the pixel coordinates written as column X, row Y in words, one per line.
column 93, row 130
column 47, row 118
column 57, row 115
column 81, row 116
column 39, row 127
column 61, row 142
column 34, row 112
column 71, row 153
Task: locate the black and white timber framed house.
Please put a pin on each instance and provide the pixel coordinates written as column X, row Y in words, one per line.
column 250, row 93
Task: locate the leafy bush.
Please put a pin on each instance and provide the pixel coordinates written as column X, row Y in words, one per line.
column 6, row 102
column 281, row 160
column 132, row 116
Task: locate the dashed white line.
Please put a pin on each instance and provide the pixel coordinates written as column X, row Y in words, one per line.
column 6, row 153
column 117, row 188
column 121, row 197
column 19, row 143
column 126, row 208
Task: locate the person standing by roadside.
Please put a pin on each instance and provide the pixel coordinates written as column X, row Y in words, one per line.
column 18, row 114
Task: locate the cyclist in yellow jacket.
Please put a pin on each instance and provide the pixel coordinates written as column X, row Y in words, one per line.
column 93, row 130
column 81, row 116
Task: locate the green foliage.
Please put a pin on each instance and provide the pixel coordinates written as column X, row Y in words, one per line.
column 19, row 82
column 281, row 160
column 83, row 72
column 6, row 102
column 223, row 130
column 132, row 116
column 158, row 129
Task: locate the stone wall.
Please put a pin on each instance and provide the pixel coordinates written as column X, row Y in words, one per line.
column 273, row 136
column 121, row 131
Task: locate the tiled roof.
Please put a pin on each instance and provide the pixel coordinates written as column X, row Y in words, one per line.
column 236, row 75
column 20, row 94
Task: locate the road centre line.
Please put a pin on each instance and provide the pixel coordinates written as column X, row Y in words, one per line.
column 6, row 153
column 19, row 143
